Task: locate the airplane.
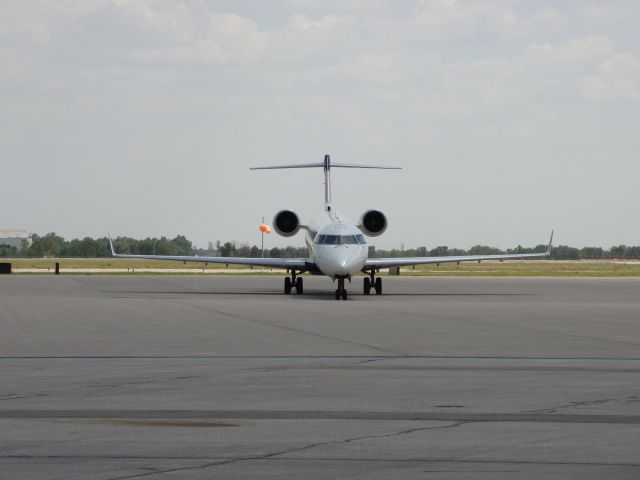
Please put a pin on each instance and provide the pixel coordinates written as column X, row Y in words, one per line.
column 338, row 249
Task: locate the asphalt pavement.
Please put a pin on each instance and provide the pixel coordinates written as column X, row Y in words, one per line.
column 118, row 377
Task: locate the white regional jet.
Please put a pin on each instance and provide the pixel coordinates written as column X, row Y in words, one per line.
column 338, row 249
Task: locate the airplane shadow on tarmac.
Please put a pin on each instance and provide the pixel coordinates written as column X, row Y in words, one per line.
column 319, row 295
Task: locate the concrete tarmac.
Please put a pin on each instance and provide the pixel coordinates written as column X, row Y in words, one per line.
column 122, row 377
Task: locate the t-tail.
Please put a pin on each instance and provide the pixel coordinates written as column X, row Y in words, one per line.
column 327, row 166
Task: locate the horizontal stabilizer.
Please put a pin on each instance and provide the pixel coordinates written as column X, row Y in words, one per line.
column 326, row 165
column 323, row 165
column 356, row 165
column 293, row 165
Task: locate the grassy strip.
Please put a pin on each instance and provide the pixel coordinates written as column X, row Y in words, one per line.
column 536, row 268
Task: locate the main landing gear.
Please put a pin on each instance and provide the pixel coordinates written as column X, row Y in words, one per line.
column 341, row 292
column 372, row 282
column 293, row 282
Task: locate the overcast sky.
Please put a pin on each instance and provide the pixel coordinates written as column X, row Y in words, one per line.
column 142, row 118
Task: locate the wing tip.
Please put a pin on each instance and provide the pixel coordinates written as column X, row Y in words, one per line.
column 113, row 250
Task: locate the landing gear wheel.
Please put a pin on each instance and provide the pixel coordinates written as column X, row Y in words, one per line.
column 367, row 286
column 378, row 286
column 299, row 286
column 287, row 285
column 341, row 292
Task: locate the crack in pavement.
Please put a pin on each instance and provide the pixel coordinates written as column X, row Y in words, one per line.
column 573, row 405
column 52, row 392
column 141, row 382
column 492, row 323
column 17, row 396
column 288, row 451
column 291, row 329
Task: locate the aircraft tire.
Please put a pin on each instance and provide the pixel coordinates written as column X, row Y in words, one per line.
column 344, row 294
column 299, row 286
column 378, row 286
column 337, row 294
column 287, row 285
column 367, row 286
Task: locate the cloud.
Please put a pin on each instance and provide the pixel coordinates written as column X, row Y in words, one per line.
column 360, row 70
column 339, row 5
column 616, row 78
column 130, row 31
column 545, row 20
column 324, row 24
column 440, row 19
column 229, row 38
column 20, row 26
column 313, row 41
column 450, row 19
column 535, row 69
column 608, row 15
column 174, row 20
column 573, row 51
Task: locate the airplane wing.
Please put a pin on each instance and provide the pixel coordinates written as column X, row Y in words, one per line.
column 407, row 261
column 287, row 263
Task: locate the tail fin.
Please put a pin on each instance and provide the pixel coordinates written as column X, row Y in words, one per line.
column 327, row 165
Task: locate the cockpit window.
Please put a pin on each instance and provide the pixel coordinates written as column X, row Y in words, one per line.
column 340, row 240
column 332, row 240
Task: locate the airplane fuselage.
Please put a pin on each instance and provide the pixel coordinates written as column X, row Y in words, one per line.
column 339, row 249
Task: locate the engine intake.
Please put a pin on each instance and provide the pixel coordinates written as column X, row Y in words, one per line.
column 373, row 223
column 286, row 223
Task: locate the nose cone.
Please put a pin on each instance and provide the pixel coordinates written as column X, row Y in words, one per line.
column 341, row 260
column 339, row 266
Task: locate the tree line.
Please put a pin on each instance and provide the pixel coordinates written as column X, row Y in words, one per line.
column 54, row 246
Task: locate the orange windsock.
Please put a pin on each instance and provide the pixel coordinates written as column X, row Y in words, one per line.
column 264, row 228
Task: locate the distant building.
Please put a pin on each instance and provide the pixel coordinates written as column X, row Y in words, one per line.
column 14, row 238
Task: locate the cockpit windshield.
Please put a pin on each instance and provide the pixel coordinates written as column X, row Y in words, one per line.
column 340, row 240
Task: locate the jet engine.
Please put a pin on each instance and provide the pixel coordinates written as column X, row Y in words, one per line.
column 286, row 223
column 373, row 223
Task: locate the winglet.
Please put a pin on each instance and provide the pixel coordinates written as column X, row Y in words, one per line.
column 113, row 250
column 548, row 252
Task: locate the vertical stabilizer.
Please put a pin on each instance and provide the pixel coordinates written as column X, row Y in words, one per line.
column 327, row 183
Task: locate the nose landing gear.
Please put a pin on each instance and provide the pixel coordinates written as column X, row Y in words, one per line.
column 341, row 292
column 293, row 282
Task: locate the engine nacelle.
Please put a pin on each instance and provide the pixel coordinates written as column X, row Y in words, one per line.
column 373, row 223
column 286, row 223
